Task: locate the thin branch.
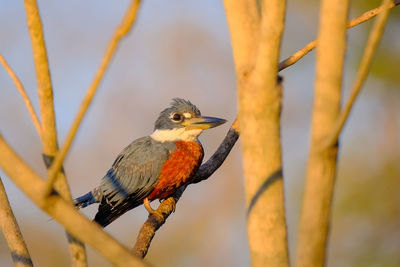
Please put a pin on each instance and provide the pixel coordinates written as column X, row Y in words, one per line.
column 49, row 132
column 121, row 31
column 306, row 49
column 62, row 211
column 12, row 233
column 369, row 51
column 216, row 160
column 153, row 222
column 43, row 80
column 23, row 93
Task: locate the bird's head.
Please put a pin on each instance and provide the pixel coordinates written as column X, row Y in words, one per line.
column 182, row 121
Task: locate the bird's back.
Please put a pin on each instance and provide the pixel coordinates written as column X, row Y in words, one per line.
column 131, row 178
column 146, row 168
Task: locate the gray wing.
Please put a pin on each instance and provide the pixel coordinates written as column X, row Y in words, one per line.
column 132, row 177
column 135, row 171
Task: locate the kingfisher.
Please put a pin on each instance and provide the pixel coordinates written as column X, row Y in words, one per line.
column 152, row 167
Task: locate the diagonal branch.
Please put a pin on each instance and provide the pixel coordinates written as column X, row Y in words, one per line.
column 121, row 31
column 153, row 223
column 62, row 211
column 354, row 22
column 369, row 51
column 12, row 233
column 23, row 93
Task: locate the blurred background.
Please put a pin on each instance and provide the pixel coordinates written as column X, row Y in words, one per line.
column 182, row 49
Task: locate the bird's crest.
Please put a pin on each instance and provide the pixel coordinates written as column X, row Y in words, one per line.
column 178, row 105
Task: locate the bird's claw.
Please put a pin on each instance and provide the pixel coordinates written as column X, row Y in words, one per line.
column 150, row 210
column 173, row 203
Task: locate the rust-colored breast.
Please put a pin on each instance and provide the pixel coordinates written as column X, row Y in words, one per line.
column 178, row 169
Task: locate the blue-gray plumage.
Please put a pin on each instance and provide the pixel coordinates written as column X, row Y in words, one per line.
column 152, row 167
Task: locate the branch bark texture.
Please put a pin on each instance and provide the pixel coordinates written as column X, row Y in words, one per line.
column 48, row 128
column 244, row 23
column 12, row 233
column 321, row 166
column 259, row 99
column 45, row 91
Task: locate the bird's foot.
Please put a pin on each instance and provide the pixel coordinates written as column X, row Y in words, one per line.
column 171, row 201
column 150, row 210
column 173, row 204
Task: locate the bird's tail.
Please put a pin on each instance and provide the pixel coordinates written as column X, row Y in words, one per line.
column 87, row 199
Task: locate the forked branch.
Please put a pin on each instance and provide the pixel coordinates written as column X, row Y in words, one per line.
column 369, row 51
column 354, row 22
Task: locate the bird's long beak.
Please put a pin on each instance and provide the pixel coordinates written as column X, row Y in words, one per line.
column 203, row 122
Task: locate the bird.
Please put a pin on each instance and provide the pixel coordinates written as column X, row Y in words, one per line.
column 152, row 167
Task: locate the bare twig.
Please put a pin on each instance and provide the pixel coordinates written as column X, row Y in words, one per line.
column 12, row 233
column 310, row 46
column 62, row 211
column 48, row 128
column 153, row 222
column 372, row 43
column 121, row 31
column 23, row 93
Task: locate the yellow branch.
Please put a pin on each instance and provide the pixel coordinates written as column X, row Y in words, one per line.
column 122, row 30
column 369, row 51
column 12, row 233
column 260, row 98
column 43, row 80
column 23, row 93
column 244, row 24
column 49, row 132
column 310, row 46
column 62, row 211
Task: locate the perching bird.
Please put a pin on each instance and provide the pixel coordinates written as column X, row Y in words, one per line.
column 155, row 166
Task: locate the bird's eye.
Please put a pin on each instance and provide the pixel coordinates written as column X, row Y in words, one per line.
column 177, row 117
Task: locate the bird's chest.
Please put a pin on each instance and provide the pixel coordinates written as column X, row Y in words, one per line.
column 178, row 169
